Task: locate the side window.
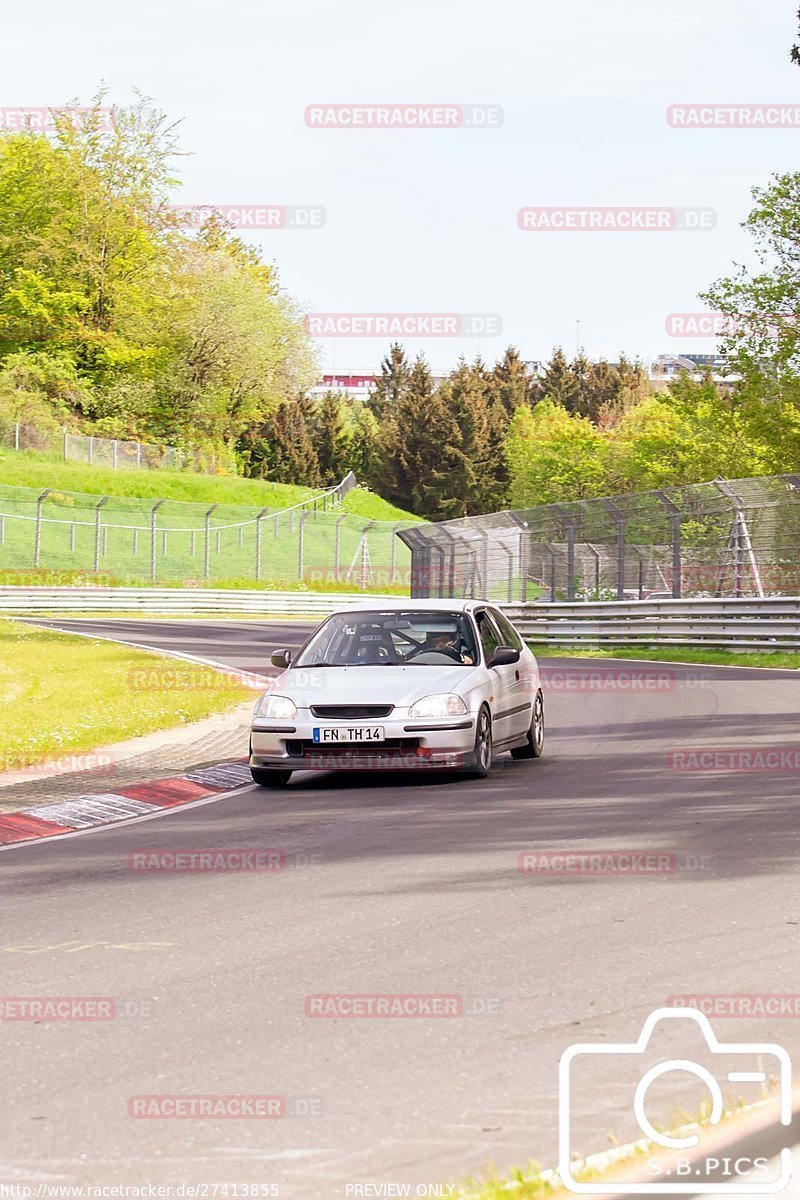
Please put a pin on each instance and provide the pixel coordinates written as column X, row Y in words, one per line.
column 507, row 630
column 490, row 638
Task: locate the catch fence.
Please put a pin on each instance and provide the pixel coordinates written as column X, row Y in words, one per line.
column 115, row 453
column 737, row 537
column 46, row 536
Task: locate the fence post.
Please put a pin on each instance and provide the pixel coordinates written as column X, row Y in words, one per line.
column 336, row 545
column 91, row 449
column 677, row 566
column 114, row 454
column 64, row 445
column 300, row 540
column 135, row 542
column 138, row 454
column 596, row 554
column 263, row 513
column 393, row 568
column 569, row 523
column 620, row 520
column 207, row 554
column 153, row 512
column 366, row 561
column 16, row 436
column 37, row 539
column 97, row 508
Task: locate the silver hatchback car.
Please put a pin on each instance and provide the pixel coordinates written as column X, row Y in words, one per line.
column 400, row 685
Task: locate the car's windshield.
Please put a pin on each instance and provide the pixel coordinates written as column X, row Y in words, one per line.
column 392, row 638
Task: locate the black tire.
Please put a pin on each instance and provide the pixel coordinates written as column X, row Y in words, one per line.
column 483, row 746
column 534, row 747
column 270, row 778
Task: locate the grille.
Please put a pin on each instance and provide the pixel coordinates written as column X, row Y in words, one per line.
column 351, row 712
column 392, row 747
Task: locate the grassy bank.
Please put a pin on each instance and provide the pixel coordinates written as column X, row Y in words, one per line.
column 61, row 694
column 28, row 469
column 687, row 654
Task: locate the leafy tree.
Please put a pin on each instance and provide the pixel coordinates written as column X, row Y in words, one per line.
column 691, row 433
column 554, row 456
column 174, row 336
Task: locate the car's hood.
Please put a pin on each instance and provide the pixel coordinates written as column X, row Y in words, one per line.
column 399, row 686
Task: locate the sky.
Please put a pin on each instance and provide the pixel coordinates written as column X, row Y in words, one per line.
column 425, row 221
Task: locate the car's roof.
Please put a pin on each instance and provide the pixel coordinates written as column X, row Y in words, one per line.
column 404, row 603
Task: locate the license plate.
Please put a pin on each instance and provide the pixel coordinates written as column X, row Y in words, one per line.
column 355, row 733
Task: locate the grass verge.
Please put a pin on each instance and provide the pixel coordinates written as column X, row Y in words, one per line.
column 687, row 654
column 63, row 694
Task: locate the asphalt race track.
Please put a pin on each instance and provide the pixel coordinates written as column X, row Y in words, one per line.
column 401, row 885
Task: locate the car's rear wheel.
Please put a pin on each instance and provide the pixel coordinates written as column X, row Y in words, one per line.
column 269, row 778
column 534, row 746
column 483, row 745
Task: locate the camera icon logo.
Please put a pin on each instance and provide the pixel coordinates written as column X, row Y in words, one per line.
column 750, row 1056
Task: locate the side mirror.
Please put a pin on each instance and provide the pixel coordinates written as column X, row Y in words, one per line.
column 281, row 659
column 504, row 656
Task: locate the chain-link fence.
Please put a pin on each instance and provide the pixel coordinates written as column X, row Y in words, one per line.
column 47, row 535
column 97, row 451
column 737, row 537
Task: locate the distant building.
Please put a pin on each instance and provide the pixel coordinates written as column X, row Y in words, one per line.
column 668, row 366
column 355, row 387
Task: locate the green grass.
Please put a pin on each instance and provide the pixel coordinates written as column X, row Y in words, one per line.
column 63, row 694
column 295, row 549
column 687, row 654
column 29, row 469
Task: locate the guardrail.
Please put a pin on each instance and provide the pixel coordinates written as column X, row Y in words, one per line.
column 769, row 624
column 772, row 623
column 180, row 601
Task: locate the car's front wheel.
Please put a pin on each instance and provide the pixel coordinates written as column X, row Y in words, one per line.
column 483, row 745
column 534, row 746
column 268, row 778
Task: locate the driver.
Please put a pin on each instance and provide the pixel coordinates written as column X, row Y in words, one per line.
column 446, row 643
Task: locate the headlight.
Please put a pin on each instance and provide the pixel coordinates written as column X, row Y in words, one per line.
column 275, row 708
column 446, row 705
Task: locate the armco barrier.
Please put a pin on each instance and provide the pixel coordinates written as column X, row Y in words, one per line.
column 769, row 624
column 772, row 623
column 21, row 601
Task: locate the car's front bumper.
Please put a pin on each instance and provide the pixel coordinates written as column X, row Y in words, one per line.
column 410, row 744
